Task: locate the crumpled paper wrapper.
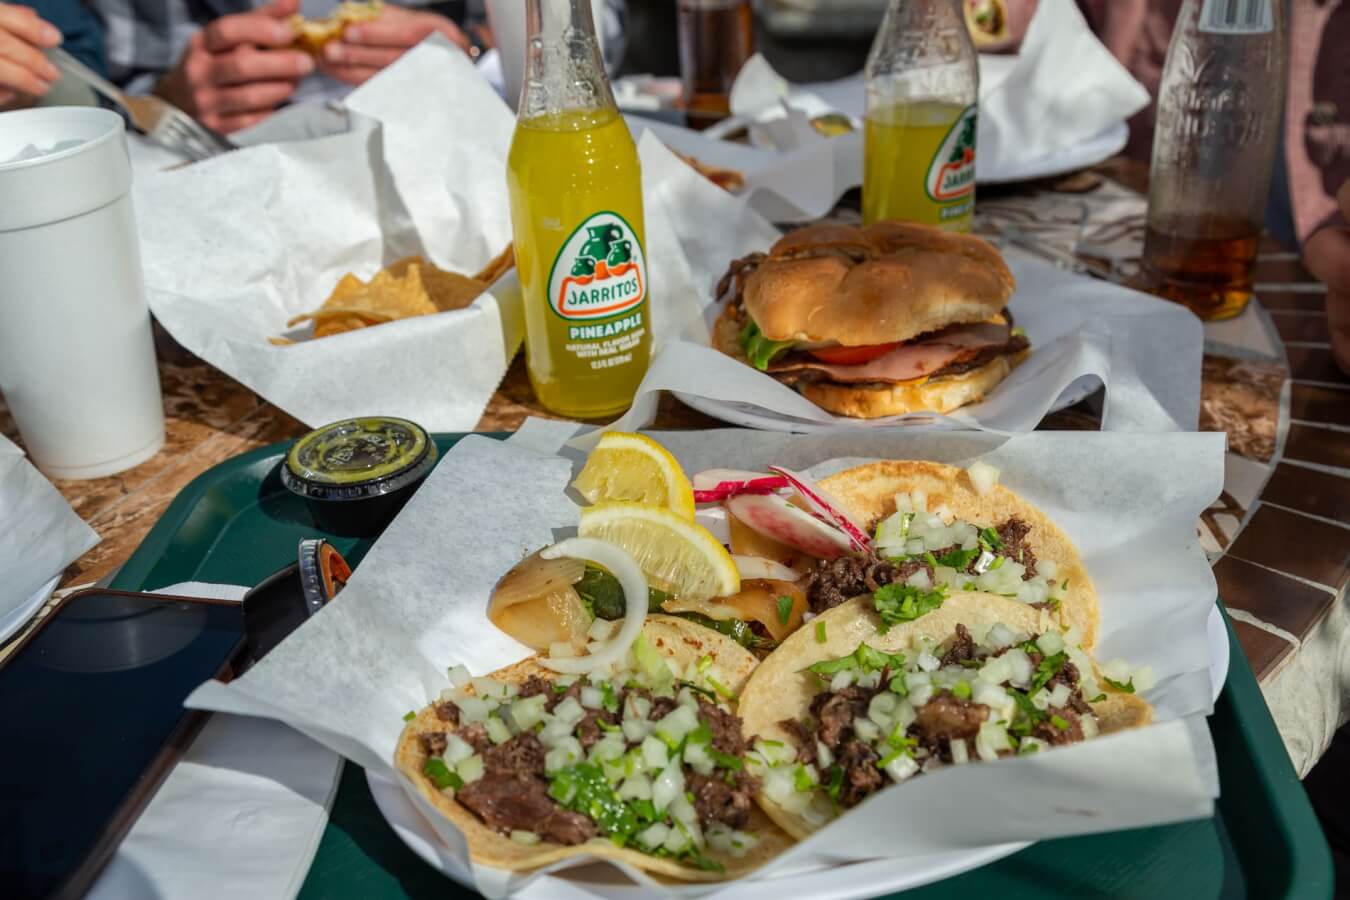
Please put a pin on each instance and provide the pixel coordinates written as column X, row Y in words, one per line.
column 1146, row 351
column 235, row 246
column 39, row 533
column 417, row 605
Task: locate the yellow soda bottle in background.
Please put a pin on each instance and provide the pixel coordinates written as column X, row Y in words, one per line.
column 576, row 212
column 919, row 129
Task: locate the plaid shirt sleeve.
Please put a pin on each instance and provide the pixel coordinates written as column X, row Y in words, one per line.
column 145, row 38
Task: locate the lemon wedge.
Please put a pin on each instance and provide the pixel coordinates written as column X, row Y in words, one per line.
column 634, row 467
column 674, row 553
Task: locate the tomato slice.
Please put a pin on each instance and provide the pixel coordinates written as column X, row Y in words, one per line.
column 852, row 356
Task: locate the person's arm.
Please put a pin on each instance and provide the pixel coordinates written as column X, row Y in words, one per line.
column 25, row 73
column 367, row 47
column 1327, row 256
column 239, row 68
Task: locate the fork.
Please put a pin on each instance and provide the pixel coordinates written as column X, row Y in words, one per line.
column 157, row 119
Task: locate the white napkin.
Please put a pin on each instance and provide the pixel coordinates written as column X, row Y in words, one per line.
column 240, row 816
column 235, row 246
column 1065, row 88
column 39, row 533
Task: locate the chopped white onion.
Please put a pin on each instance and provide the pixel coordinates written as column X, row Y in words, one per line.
column 1020, row 668
column 497, row 731
column 960, row 752
column 842, row 679
column 592, row 697
column 653, row 836
column 470, row 769
column 636, row 787
column 824, row 756
column 1000, row 636
column 459, row 676
column 990, row 739
column 456, row 750
column 654, row 753
column 697, row 758
column 1047, row 567
column 676, row 724
column 600, row 629
column 866, row 729
column 983, row 562
column 1088, row 723
column 1041, row 699
column 634, row 585
column 928, row 662
column 667, row 786
column 920, row 695
column 901, row 768
column 569, row 711
column 473, row 709
column 920, row 580
column 1143, row 678
column 528, row 712
column 528, row 838
column 1060, row 695
column 983, row 477
column 564, row 754
column 1117, row 670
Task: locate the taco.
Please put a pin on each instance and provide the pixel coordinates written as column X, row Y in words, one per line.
column 847, row 706
column 644, row 765
column 935, row 529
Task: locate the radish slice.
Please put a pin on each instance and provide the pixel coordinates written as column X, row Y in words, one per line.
column 774, row 517
column 718, row 484
column 827, row 506
column 758, row 567
column 634, row 585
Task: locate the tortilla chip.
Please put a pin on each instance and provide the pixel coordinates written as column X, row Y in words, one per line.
column 498, row 266
column 448, row 290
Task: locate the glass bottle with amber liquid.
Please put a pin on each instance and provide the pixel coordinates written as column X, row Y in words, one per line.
column 1218, row 121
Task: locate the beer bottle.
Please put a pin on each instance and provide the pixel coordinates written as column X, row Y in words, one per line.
column 576, row 212
column 919, row 140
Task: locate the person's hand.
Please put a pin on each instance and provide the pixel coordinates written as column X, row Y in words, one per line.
column 25, row 73
column 1327, row 256
column 367, row 47
column 239, row 68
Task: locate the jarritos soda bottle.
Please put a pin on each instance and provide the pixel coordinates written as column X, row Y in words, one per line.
column 576, row 210
column 919, row 147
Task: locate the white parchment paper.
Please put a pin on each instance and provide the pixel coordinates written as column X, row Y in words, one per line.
column 1145, row 350
column 39, row 533
column 235, row 246
column 417, row 605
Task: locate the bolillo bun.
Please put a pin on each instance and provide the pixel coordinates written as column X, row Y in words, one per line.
column 874, row 284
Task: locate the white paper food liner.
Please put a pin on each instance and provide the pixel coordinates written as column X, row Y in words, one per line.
column 417, row 605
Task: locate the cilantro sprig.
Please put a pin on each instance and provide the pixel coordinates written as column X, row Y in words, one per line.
column 896, row 603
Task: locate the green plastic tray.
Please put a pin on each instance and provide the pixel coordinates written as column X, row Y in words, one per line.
column 236, row 524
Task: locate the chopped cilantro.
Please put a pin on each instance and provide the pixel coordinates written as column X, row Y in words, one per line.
column 611, row 699
column 865, row 658
column 820, row 632
column 930, row 559
column 1127, row 687
column 1047, row 670
column 1028, row 716
column 582, row 788
column 802, row 780
column 961, row 690
column 990, row 540
column 970, row 586
column 440, row 774
column 722, row 690
column 784, row 608
column 1098, row 699
column 1025, row 747
column 409, row 716
column 836, row 783
column 998, row 561
column 704, row 662
column 1065, row 585
column 898, row 685
column 1059, row 722
column 897, row 603
column 958, row 559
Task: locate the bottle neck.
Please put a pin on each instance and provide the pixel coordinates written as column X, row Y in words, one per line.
column 564, row 70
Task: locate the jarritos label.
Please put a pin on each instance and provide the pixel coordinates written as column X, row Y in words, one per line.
column 600, row 271
column 951, row 174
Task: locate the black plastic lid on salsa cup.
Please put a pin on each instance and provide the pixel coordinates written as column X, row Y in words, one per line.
column 356, row 474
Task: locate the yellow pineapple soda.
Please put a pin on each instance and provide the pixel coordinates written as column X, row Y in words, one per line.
column 576, row 212
column 919, row 129
column 919, row 164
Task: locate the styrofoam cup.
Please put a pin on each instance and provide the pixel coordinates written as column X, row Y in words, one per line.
column 77, row 361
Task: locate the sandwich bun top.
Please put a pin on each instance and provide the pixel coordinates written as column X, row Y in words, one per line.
column 874, row 284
